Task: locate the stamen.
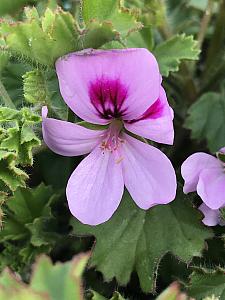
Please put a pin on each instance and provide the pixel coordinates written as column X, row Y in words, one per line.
column 112, row 139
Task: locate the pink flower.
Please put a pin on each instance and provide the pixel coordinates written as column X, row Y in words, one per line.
column 120, row 88
column 211, row 216
column 205, row 174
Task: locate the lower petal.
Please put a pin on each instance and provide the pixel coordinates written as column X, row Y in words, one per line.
column 95, row 188
column 148, row 174
column 211, row 216
column 69, row 139
column 211, row 187
column 193, row 166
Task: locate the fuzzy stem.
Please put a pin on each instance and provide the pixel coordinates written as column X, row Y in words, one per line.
column 205, row 22
column 217, row 40
column 5, row 97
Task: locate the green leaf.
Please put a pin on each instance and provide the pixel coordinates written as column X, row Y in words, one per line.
column 26, row 206
column 123, row 20
column 10, row 175
column 134, row 239
column 59, row 281
column 11, row 78
column 42, row 88
column 34, row 87
column 206, row 120
column 171, row 52
column 19, row 138
column 48, row 281
column 42, row 40
column 39, row 42
column 30, row 222
column 207, row 284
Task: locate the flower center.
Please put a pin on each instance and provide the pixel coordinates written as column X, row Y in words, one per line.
column 112, row 139
column 107, row 96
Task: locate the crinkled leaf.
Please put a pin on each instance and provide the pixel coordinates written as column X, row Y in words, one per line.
column 53, row 35
column 34, row 87
column 10, row 175
column 41, row 43
column 134, row 239
column 171, row 52
column 206, row 120
column 207, row 284
column 123, row 19
column 20, row 138
column 41, row 88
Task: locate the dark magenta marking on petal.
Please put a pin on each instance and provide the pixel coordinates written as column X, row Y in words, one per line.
column 107, row 96
column 155, row 111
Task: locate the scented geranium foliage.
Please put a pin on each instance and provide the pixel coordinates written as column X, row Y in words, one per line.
column 101, row 102
column 123, row 90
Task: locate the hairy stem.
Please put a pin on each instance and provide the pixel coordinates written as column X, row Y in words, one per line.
column 205, row 22
column 217, row 41
column 5, row 96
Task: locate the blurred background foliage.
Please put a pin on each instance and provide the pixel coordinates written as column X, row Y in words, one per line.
column 187, row 37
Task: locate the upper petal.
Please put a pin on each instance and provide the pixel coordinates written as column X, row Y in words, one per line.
column 211, row 187
column 148, row 174
column 95, row 188
column 193, row 166
column 69, row 139
column 156, row 123
column 134, row 70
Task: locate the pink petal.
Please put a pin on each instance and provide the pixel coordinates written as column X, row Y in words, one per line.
column 156, row 123
column 95, row 188
column 148, row 174
column 193, row 166
column 211, row 187
column 212, row 216
column 69, row 139
column 135, row 71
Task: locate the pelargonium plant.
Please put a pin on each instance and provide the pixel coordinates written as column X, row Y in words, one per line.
column 111, row 120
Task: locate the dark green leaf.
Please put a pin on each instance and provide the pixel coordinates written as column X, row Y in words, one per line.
column 122, row 19
column 134, row 239
column 207, row 284
column 10, row 175
column 206, row 120
column 171, row 52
